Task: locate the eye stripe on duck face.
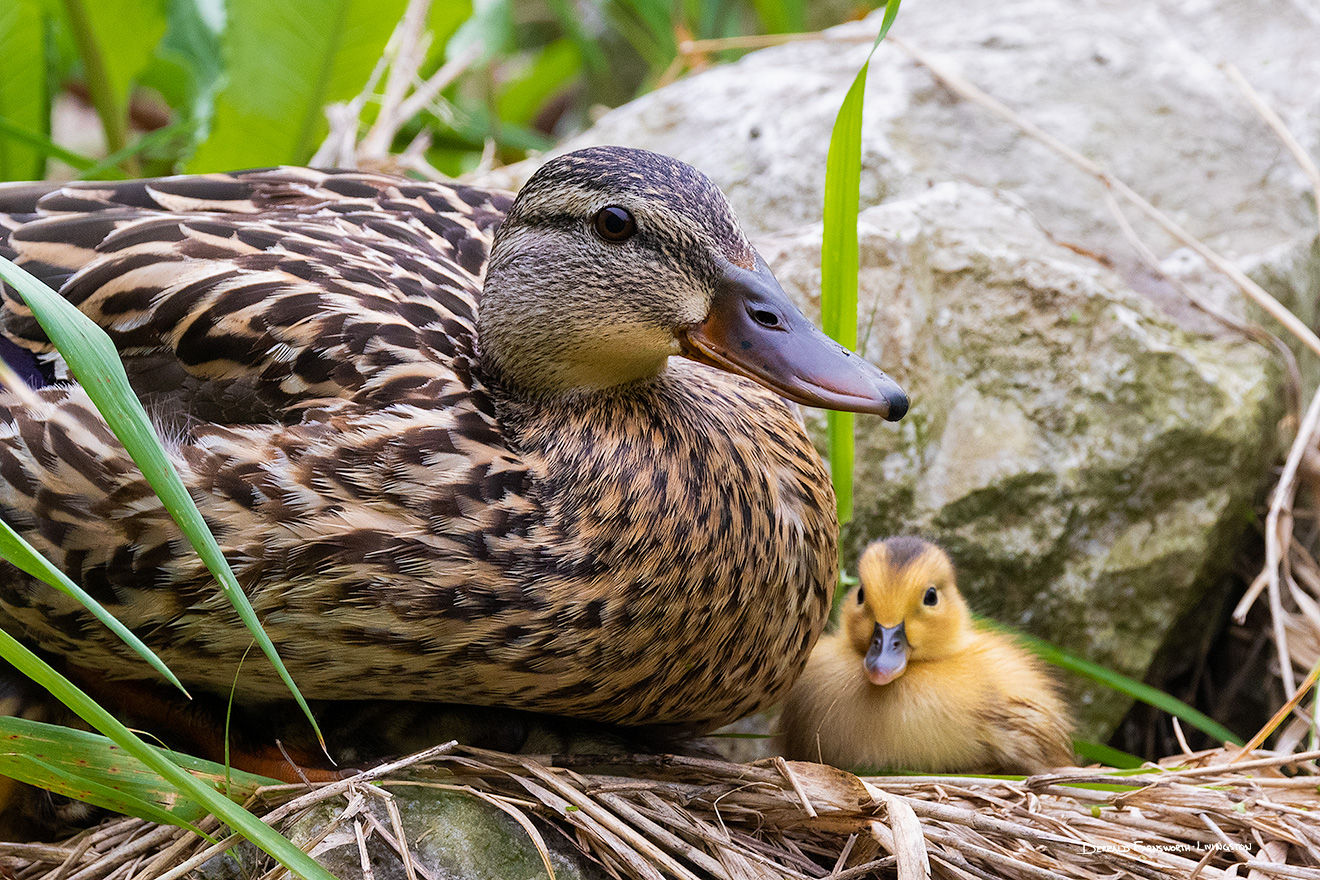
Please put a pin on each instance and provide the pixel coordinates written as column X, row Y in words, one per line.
column 662, row 241
column 682, row 223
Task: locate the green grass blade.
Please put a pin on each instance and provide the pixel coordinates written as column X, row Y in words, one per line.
column 1152, row 696
column 92, row 359
column 1108, row 756
column 22, row 554
column 43, row 144
column 839, row 259
column 34, row 771
column 144, row 145
column 237, row 818
column 91, row 768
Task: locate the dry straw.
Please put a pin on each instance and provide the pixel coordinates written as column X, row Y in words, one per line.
column 653, row 817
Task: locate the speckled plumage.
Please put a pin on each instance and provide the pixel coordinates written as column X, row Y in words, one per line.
column 415, row 515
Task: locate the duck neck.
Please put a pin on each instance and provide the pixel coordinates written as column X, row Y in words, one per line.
column 541, row 366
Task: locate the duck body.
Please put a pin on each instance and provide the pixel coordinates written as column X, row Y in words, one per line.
column 910, row 682
column 535, row 508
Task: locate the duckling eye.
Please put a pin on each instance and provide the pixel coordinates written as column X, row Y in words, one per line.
column 931, row 597
column 614, row 224
column 861, row 595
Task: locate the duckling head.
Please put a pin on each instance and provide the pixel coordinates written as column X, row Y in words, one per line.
column 907, row 609
column 612, row 260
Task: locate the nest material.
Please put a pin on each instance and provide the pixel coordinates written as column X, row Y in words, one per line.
column 1199, row 816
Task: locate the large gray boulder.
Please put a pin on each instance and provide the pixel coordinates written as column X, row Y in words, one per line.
column 1087, row 464
column 1134, row 87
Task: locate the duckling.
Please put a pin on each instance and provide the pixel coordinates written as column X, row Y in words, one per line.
column 529, row 453
column 908, row 681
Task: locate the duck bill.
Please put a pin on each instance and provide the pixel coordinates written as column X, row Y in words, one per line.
column 887, row 656
column 754, row 330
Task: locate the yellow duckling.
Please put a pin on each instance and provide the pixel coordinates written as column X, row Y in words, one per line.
column 909, row 681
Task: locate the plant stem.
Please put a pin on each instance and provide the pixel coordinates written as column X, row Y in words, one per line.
column 113, row 112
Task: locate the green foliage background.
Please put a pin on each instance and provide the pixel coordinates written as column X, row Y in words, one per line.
column 189, row 86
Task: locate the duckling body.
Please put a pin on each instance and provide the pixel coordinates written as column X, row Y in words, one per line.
column 509, row 497
column 908, row 681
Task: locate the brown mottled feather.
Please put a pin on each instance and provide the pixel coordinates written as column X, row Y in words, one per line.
column 969, row 701
column 407, row 525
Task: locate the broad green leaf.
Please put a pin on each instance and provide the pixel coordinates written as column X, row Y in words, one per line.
column 838, row 258
column 93, row 361
column 115, row 40
column 22, row 554
column 91, row 768
column 160, row 761
column 286, row 61
column 24, row 92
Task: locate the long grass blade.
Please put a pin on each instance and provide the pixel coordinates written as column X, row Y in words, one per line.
column 144, row 145
column 1116, row 681
column 22, row 554
column 91, row 768
column 46, row 146
column 1099, row 753
column 24, row 767
column 839, row 258
column 258, row 832
column 92, row 359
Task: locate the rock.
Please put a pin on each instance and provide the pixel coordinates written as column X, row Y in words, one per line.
column 1134, row 88
column 452, row 836
column 1087, row 464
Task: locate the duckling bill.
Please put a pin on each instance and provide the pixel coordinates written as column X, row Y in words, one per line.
column 458, row 447
column 910, row 682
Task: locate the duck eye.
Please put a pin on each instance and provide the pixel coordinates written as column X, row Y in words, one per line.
column 861, row 595
column 615, row 224
column 931, row 597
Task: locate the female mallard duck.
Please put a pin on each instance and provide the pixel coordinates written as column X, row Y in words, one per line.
column 435, row 489
column 909, row 682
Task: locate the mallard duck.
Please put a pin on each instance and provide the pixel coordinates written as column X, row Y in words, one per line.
column 908, row 681
column 461, row 448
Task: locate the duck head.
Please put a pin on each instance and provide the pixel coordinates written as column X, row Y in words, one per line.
column 612, row 260
column 907, row 609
